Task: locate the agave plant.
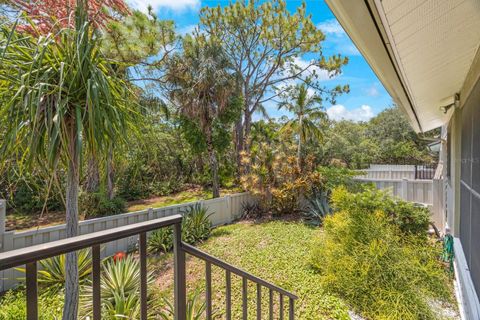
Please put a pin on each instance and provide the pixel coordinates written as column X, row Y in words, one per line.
column 120, row 290
column 52, row 274
column 318, row 208
column 195, row 308
column 160, row 240
column 196, row 224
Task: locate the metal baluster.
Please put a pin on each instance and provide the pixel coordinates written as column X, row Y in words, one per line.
column 281, row 306
column 244, row 297
column 208, row 293
column 270, row 306
column 228, row 301
column 96, row 296
column 179, row 274
column 143, row 276
column 259, row 301
column 291, row 307
column 32, row 303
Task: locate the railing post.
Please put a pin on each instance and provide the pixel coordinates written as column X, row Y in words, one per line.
column 32, row 294
column 179, row 274
column 96, row 274
column 143, row 276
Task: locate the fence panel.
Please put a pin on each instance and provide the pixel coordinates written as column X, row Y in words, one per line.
column 224, row 210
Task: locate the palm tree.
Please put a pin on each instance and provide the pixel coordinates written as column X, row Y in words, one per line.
column 307, row 112
column 201, row 88
column 58, row 96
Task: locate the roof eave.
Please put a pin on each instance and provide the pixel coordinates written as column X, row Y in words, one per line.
column 361, row 21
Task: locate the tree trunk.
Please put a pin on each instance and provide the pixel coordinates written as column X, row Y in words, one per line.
column 239, row 146
column 213, row 166
column 247, row 126
column 110, row 174
column 70, row 308
column 300, row 145
column 299, row 155
column 93, row 175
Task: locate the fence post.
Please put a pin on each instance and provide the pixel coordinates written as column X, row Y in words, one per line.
column 3, row 215
column 404, row 189
column 150, row 214
column 3, row 218
column 228, row 204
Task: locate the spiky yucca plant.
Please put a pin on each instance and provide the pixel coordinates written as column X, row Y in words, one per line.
column 196, row 225
column 120, row 290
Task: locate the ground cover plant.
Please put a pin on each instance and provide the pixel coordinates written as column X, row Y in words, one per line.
column 277, row 251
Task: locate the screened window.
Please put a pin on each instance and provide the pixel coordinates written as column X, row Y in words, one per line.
column 470, row 184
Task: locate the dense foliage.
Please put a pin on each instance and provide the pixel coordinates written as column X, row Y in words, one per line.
column 374, row 253
column 386, row 139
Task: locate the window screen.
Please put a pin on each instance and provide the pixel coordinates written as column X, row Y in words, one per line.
column 470, row 184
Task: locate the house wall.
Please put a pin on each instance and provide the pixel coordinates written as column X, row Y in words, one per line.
column 462, row 191
column 223, row 210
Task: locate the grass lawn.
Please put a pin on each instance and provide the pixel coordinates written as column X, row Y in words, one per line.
column 277, row 251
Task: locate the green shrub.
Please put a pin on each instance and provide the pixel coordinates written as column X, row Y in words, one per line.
column 382, row 271
column 98, row 205
column 160, row 241
column 28, row 196
column 13, row 306
column 338, row 176
column 196, row 225
column 409, row 218
column 120, row 290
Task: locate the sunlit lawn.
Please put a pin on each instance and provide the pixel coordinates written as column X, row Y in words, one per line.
column 277, row 251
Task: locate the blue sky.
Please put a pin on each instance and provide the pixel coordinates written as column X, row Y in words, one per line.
column 367, row 96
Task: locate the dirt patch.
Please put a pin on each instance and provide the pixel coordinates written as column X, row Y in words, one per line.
column 23, row 222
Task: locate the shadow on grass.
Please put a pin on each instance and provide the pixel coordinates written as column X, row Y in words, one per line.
column 219, row 232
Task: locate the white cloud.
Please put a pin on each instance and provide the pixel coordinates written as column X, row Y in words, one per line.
column 331, row 27
column 372, row 91
column 337, row 37
column 340, row 112
column 174, row 5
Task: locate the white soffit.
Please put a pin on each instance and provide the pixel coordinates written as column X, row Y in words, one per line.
column 434, row 43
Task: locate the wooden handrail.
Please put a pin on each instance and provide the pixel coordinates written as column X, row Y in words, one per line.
column 14, row 258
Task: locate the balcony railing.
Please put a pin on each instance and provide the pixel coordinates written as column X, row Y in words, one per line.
column 31, row 255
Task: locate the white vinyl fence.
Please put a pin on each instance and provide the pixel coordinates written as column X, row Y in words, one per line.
column 420, row 191
column 389, row 171
column 223, row 210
